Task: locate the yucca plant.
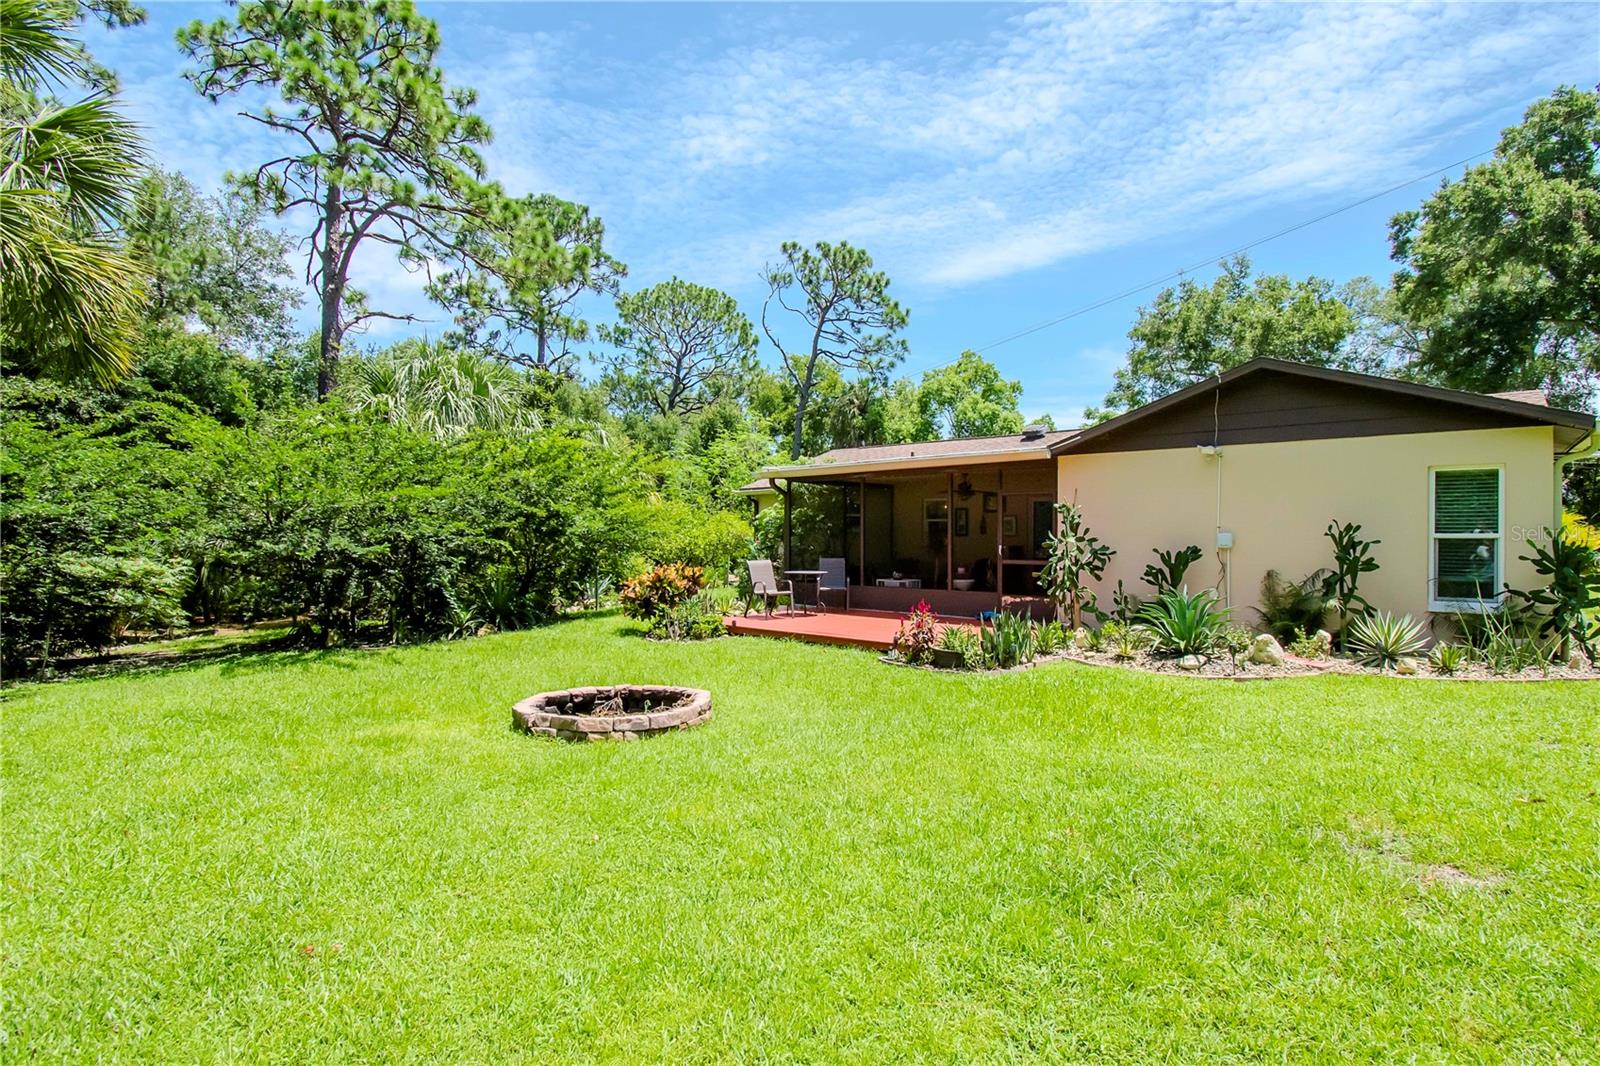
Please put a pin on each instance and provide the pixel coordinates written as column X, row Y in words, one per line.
column 1383, row 639
column 1185, row 625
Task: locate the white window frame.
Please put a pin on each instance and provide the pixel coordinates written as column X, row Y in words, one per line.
column 928, row 521
column 1473, row 605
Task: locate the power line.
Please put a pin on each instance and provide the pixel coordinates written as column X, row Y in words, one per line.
column 1181, row 271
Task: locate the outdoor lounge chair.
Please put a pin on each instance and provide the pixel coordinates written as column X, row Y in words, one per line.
column 765, row 584
column 834, row 579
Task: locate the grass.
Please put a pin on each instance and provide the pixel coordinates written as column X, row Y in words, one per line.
column 348, row 856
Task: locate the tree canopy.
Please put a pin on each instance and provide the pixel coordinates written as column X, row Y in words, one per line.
column 208, row 261
column 845, row 315
column 1192, row 332
column 379, row 149
column 969, row 398
column 527, row 268
column 1500, row 270
column 678, row 344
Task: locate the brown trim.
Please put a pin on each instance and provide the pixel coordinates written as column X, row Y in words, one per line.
column 1293, row 401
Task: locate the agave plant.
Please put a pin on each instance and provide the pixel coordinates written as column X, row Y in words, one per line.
column 1185, row 625
column 1382, row 639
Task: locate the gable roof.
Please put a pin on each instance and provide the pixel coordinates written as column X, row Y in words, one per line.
column 1312, row 401
column 1262, row 400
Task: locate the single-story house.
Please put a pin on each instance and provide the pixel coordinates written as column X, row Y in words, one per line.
column 1250, row 466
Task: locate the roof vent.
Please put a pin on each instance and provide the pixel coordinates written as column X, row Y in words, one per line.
column 1035, row 431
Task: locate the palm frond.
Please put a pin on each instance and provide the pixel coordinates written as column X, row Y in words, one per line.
column 34, row 48
column 84, row 152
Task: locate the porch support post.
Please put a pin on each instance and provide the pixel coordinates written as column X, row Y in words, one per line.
column 1000, row 539
column 949, row 530
column 788, row 520
column 861, row 536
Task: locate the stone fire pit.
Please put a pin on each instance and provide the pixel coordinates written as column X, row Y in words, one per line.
column 617, row 712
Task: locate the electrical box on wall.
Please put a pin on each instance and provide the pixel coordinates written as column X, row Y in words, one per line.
column 1224, row 539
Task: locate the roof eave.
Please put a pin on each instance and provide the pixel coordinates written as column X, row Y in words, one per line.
column 816, row 471
column 1538, row 413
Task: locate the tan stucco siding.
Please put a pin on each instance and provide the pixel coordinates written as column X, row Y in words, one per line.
column 1277, row 500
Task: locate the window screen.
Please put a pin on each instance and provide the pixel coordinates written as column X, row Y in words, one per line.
column 1466, row 536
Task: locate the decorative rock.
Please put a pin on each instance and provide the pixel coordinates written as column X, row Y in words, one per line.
column 620, row 712
column 1406, row 666
column 1577, row 660
column 1324, row 641
column 1266, row 650
column 1191, row 662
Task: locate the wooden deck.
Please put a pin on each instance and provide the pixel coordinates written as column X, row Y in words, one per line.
column 861, row 629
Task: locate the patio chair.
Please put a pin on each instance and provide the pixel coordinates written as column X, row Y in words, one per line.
column 834, row 579
column 765, row 584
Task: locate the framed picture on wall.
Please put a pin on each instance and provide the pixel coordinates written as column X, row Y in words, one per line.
column 1008, row 527
column 991, row 503
column 961, row 521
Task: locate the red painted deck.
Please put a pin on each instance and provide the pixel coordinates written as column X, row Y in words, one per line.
column 863, row 629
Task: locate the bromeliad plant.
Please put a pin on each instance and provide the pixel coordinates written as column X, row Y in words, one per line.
column 1382, row 639
column 1073, row 556
column 1185, row 625
column 964, row 643
column 1572, row 596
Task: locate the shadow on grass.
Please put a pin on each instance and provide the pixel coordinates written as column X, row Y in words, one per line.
column 250, row 654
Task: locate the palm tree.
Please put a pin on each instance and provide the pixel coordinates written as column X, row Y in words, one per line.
column 69, row 298
column 439, row 390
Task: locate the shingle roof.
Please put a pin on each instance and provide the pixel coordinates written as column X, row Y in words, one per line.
column 878, row 453
column 1534, row 396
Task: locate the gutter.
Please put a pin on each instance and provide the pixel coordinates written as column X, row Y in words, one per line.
column 823, row 471
column 1586, row 448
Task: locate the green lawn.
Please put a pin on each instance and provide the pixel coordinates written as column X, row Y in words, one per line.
column 350, row 857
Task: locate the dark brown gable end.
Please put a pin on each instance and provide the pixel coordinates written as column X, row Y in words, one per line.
column 1266, row 401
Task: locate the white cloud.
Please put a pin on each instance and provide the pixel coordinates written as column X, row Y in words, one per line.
column 1067, row 132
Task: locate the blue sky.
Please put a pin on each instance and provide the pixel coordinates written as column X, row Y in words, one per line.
column 1005, row 164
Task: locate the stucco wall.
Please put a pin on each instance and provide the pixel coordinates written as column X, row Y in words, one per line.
column 1277, row 499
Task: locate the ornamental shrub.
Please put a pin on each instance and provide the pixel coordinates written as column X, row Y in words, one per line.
column 918, row 635
column 661, row 589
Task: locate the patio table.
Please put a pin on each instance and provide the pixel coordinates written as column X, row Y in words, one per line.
column 815, row 578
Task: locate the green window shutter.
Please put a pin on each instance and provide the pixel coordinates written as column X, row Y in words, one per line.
column 1466, row 501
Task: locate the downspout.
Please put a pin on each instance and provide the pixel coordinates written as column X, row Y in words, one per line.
column 1587, row 448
